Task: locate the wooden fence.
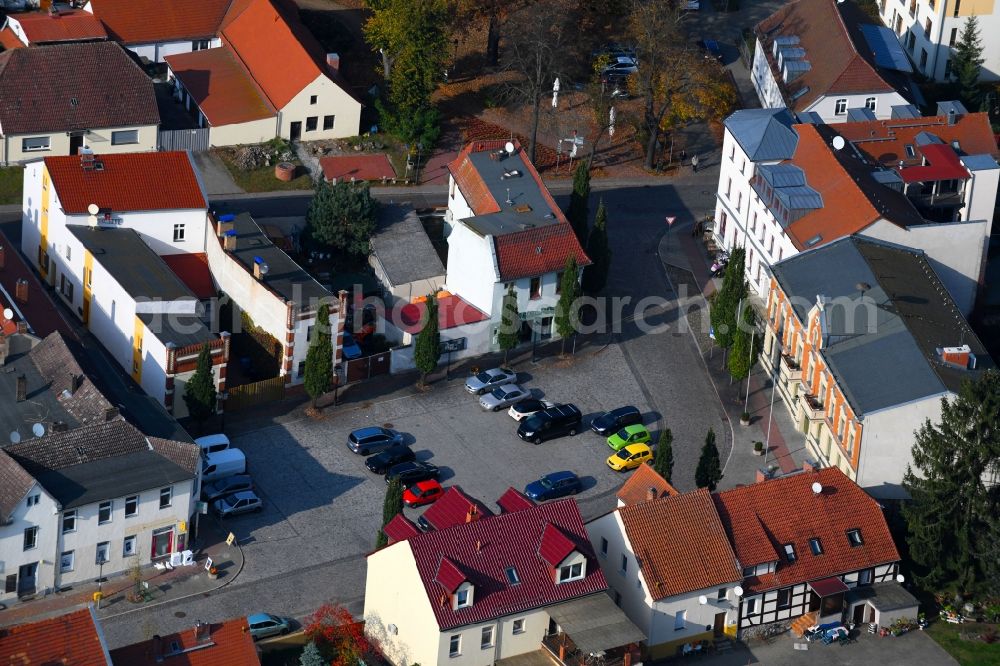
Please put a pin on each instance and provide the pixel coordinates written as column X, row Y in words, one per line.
column 248, row 395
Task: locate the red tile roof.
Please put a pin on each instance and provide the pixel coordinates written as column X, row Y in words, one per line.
column 9, row 40
column 400, row 528
column 470, row 183
column 885, row 141
column 67, row 26
column 942, row 164
column 484, row 549
column 762, row 517
column 453, row 508
column 537, row 251
column 358, row 167
column 192, row 269
column 555, row 546
column 514, row 500
column 449, row 575
column 128, row 182
column 231, row 645
column 827, row 587
column 700, row 556
column 149, row 21
column 73, row 638
column 220, row 86
column 637, row 488
column 40, row 312
column 453, row 311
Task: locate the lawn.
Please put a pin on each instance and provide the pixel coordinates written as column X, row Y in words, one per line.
column 262, row 179
column 11, row 180
column 956, row 639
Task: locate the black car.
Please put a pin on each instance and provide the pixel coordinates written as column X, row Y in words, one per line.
column 549, row 423
column 611, row 422
column 226, row 486
column 381, row 462
column 411, row 472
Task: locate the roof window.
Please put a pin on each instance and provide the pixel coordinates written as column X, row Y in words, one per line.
column 854, row 538
column 512, row 576
column 789, row 552
column 816, row 546
column 909, row 150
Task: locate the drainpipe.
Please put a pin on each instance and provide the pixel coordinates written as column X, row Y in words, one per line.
column 496, row 641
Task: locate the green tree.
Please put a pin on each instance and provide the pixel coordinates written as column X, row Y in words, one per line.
column 510, row 323
column 391, row 507
column 342, row 216
column 663, row 461
column 709, row 470
column 595, row 276
column 578, row 210
column 967, row 63
column 746, row 345
column 567, row 314
column 951, row 519
column 199, row 392
column 319, row 356
column 311, row 656
column 726, row 301
column 427, row 350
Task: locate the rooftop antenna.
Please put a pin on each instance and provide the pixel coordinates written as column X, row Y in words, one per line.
column 817, row 488
column 838, row 142
column 510, row 202
column 8, row 314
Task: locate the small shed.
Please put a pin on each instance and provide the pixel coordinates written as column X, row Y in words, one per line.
column 403, row 257
column 882, row 604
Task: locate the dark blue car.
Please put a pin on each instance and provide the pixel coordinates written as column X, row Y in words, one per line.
column 554, row 485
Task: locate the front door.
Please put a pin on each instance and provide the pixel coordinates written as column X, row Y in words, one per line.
column 295, row 131
column 859, row 614
column 26, row 576
column 75, row 144
column 719, row 627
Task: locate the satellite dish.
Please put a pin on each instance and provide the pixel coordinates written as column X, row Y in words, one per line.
column 38, row 429
column 738, row 591
column 15, row 437
column 838, row 142
column 817, row 487
column 509, row 147
column 8, row 314
column 92, row 221
column 93, row 209
column 703, row 600
column 900, row 578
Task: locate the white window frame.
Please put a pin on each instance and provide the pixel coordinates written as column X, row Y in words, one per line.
column 128, row 500
column 517, row 627
column 126, row 550
column 69, row 516
column 463, row 598
column 33, row 499
column 571, row 572
column 486, row 639
column 455, row 646
column 26, row 148
column 110, row 506
column 33, row 529
column 840, row 107
column 169, row 492
column 125, row 137
column 63, row 566
column 179, row 232
column 752, row 606
column 871, row 103
column 102, row 546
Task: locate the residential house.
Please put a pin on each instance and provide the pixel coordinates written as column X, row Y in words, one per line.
column 204, row 644
column 866, row 344
column 52, row 27
column 928, row 183
column 453, row 508
column 678, row 591
column 92, row 501
column 824, row 58
column 642, row 485
column 492, row 588
column 73, row 638
column 929, row 31
column 154, row 30
column 403, row 258
column 94, row 96
column 245, row 94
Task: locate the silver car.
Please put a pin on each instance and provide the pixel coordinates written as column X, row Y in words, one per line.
column 237, row 503
column 503, row 396
column 487, row 380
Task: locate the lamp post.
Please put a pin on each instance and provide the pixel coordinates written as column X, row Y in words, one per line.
column 100, row 579
column 336, row 382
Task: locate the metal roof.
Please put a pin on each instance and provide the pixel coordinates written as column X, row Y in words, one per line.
column 860, row 115
column 764, row 134
column 783, row 175
column 885, row 45
column 905, row 111
column 979, row 162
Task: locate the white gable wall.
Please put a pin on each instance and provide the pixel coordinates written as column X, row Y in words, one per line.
column 331, row 100
column 44, row 515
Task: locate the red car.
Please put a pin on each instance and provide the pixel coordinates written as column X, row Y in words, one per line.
column 422, row 492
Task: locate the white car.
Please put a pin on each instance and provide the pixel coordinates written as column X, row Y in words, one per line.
column 503, row 396
column 525, row 408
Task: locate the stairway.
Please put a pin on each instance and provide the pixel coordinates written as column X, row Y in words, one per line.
column 723, row 645
column 800, row 624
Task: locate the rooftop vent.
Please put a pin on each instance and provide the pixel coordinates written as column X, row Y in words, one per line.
column 512, row 173
column 523, row 208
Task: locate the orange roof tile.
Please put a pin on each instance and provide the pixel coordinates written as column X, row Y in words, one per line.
column 885, row 141
column 636, row 489
column 9, row 40
column 220, row 85
column 230, row 644
column 73, row 638
column 470, row 183
column 128, row 182
column 148, row 21
column 534, row 252
column 761, row 518
column 69, row 25
column 680, row 543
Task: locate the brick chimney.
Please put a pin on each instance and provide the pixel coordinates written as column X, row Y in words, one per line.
column 651, row 493
column 22, row 388
column 21, row 290
column 472, row 515
column 809, row 466
column 110, row 414
column 22, row 327
column 333, row 61
column 959, row 357
column 229, row 240
column 260, row 268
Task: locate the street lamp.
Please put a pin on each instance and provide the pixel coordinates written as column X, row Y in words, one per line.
column 336, row 382
column 102, row 558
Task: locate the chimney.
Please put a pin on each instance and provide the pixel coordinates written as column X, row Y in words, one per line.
column 22, row 388
column 229, row 240
column 226, row 223
column 809, row 466
column 22, row 327
column 4, row 348
column 75, row 382
column 650, row 493
column 59, row 426
column 333, row 61
column 759, row 475
column 21, row 290
column 157, row 648
column 472, row 515
column 202, row 632
column 479, row 546
column 951, row 116
column 3, row 258
column 110, row 414
column 260, row 268
column 958, row 357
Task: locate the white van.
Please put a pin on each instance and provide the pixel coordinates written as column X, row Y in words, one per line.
column 212, row 443
column 223, row 463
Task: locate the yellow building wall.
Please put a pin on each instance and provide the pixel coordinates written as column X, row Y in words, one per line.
column 88, row 272
column 670, row 648
column 970, row 7
column 43, row 242
column 137, row 351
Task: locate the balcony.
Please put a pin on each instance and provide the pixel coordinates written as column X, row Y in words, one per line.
column 812, row 406
column 788, row 369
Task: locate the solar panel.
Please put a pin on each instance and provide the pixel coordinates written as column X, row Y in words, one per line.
column 886, row 48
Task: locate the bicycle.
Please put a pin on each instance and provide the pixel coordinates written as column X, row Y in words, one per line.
column 596, row 659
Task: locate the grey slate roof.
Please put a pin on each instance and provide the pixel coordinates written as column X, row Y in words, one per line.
column 520, row 190
column 15, row 483
column 882, row 353
column 182, row 330
column 764, row 134
column 884, row 596
column 402, row 247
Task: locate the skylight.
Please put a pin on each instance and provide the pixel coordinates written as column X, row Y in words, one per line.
column 854, row 538
column 790, row 552
column 512, row 576
column 815, row 546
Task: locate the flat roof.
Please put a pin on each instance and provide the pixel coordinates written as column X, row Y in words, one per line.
column 182, row 330
column 512, row 194
column 402, row 247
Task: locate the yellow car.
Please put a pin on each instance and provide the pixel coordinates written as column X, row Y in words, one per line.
column 630, row 457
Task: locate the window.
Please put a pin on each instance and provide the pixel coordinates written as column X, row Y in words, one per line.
column 679, row 620
column 103, row 553
column 854, row 538
column 784, row 598
column 302, row 369
column 32, row 143
column 131, row 506
column 923, row 58
column 850, row 443
column 67, row 561
column 909, row 150
column 739, row 201
column 455, row 645
column 871, row 103
column 947, row 69
column 604, row 546
column 559, row 277
column 486, row 640
column 753, row 222
column 722, row 594
column 624, row 568
column 752, row 606
column 312, row 99
column 128, row 546
column 571, row 572
column 954, row 37
column 199, row 45
column 512, row 576
column 816, row 546
column 770, row 249
column 104, row 512
column 958, row 7
column 535, row 290
column 178, row 233
column 927, row 28
column 69, row 521
column 911, row 40
column 462, row 598
column 722, row 224
column 88, row 277
column 30, row 537
column 124, row 137
column 33, row 499
column 732, row 152
column 69, row 252
column 518, row 626
column 729, row 187
column 312, row 122
column 328, row 123
column 789, row 552
column 166, row 496
column 865, row 577
column 840, row 107
column 65, row 287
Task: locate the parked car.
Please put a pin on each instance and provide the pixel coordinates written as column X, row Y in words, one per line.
column 549, row 423
column 551, row 486
column 503, row 396
column 630, row 457
column 633, row 434
column 711, row 49
column 411, row 472
column 487, row 380
column 222, row 464
column 226, row 486
column 621, row 66
column 212, row 443
column 373, row 439
column 615, row 420
column 422, row 492
column 525, row 408
column 692, row 5
column 350, row 347
column 381, row 462
column 263, row 625
column 245, row 501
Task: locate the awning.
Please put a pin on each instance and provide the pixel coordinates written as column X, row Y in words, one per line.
column 884, row 597
column 827, row 587
column 595, row 623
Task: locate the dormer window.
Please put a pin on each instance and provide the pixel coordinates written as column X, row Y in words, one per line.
column 789, row 552
column 854, row 538
column 571, row 572
column 815, row 546
column 463, row 595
